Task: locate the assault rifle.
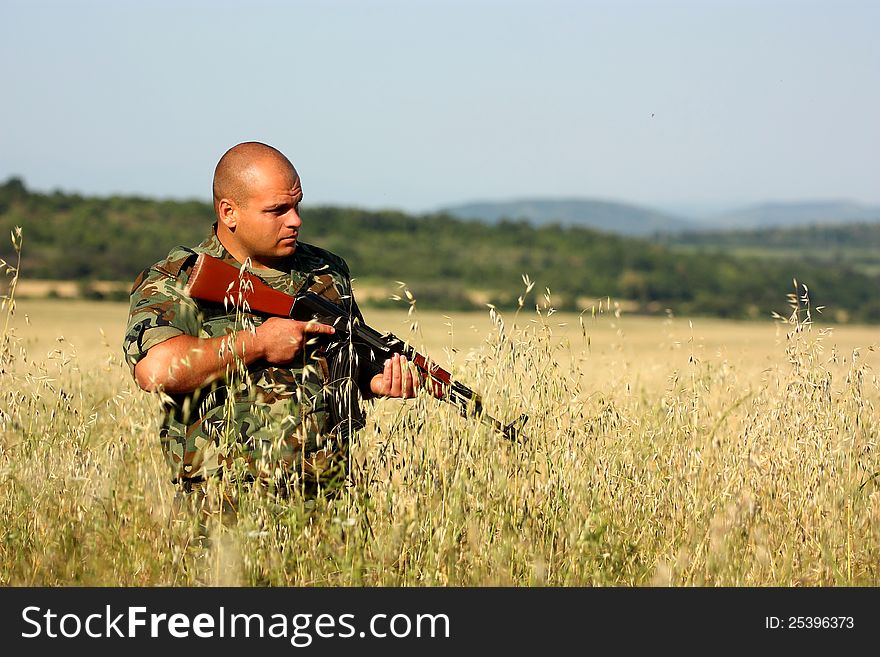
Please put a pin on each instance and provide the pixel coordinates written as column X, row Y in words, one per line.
column 219, row 282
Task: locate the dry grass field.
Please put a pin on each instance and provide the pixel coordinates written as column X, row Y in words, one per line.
column 659, row 452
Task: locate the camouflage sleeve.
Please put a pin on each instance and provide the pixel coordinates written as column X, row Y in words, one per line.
column 342, row 280
column 334, row 283
column 343, row 283
column 370, row 365
column 159, row 309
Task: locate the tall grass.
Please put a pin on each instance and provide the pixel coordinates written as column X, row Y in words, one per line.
column 716, row 476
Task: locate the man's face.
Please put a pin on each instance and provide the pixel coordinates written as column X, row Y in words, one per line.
column 267, row 222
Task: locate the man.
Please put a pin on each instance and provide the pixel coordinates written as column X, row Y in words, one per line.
column 245, row 395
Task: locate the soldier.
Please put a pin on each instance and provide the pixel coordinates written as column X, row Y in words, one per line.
column 246, row 397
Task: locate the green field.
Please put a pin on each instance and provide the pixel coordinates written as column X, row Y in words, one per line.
column 659, row 451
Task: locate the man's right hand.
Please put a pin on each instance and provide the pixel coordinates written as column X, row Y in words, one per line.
column 280, row 340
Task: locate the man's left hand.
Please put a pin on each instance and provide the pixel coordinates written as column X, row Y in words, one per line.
column 396, row 380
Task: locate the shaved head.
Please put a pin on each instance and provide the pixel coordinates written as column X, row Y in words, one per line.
column 257, row 193
column 237, row 169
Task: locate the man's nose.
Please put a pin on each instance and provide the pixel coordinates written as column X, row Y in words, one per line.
column 292, row 218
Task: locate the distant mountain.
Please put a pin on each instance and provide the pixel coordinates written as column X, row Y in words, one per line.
column 783, row 214
column 606, row 216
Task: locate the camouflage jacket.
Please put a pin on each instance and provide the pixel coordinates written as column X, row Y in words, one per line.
column 264, row 419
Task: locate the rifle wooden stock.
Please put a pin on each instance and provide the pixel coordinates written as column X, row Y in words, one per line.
column 215, row 281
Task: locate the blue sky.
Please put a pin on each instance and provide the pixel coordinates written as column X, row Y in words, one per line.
column 418, row 104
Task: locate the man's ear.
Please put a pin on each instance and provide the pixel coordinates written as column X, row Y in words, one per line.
column 227, row 212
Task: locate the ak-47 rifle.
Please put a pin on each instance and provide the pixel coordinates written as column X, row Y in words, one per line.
column 219, row 282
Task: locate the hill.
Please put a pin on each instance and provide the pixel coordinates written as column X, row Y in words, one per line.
column 605, row 216
column 447, row 263
column 790, row 214
column 635, row 220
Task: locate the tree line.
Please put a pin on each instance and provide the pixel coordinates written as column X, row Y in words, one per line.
column 443, row 260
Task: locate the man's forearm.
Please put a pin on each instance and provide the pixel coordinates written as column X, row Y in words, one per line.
column 185, row 363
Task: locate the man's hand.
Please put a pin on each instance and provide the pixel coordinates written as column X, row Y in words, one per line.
column 396, row 380
column 281, row 340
